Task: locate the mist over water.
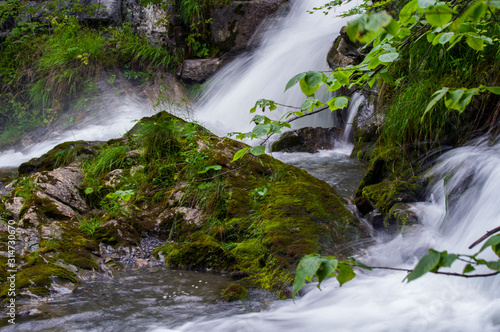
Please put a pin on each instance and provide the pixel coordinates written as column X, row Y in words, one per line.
column 293, row 43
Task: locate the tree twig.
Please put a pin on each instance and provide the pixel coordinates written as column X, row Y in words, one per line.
column 489, row 233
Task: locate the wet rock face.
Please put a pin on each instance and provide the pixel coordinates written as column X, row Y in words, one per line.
column 198, row 70
column 235, row 24
column 344, row 52
column 307, row 140
column 62, row 184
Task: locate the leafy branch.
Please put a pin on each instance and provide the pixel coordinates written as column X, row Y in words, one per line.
column 327, row 267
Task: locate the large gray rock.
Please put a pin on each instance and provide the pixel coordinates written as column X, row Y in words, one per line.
column 198, row 70
column 109, row 11
column 307, row 139
column 62, row 184
column 235, row 24
column 344, row 52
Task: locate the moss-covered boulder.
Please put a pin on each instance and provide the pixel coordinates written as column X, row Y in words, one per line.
column 177, row 185
column 62, row 155
column 234, row 292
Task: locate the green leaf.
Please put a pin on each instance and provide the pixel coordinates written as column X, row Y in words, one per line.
column 452, row 99
column 294, row 80
column 308, row 103
column 337, row 103
column 214, row 167
column 475, row 42
column 306, row 269
column 366, row 27
column 326, row 269
column 493, row 265
column 447, row 259
column 468, row 268
column 389, row 57
column 346, row 273
column 430, row 36
column 258, row 150
column 89, row 190
column 426, row 264
column 437, row 96
column 494, row 240
column 392, row 28
column 387, row 77
column 374, row 62
column 426, row 3
column 240, row 154
column 298, row 113
column 311, row 82
column 493, row 89
column 354, row 261
column 261, row 130
column 407, row 12
column 342, row 76
column 439, row 16
column 445, row 37
column 494, row 3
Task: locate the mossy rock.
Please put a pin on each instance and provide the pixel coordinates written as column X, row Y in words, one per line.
column 61, row 155
column 204, row 253
column 400, row 216
column 250, row 255
column 234, row 292
column 385, row 195
column 37, row 278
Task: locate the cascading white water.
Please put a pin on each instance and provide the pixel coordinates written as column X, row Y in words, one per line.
column 295, row 43
column 462, row 205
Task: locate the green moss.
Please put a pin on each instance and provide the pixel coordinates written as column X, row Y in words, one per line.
column 37, row 278
column 61, row 155
column 234, row 292
column 385, row 194
column 204, row 252
column 250, row 255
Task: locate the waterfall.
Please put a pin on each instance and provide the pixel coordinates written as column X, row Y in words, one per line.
column 294, row 43
column 462, row 205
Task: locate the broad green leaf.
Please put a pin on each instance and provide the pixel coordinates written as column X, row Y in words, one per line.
column 494, row 240
column 426, row 264
column 447, row 259
column 387, row 77
column 366, row 27
column 306, row 269
column 493, row 89
column 294, row 80
column 89, row 190
column 334, row 86
column 407, row 12
column 392, row 28
column 345, row 274
column 445, row 37
column 475, row 42
column 438, row 16
column 426, row 3
column 258, row 150
column 342, row 76
column 452, row 99
column 261, row 130
column 468, row 268
column 389, row 57
column 430, row 36
column 437, row 96
column 240, row 153
column 311, row 82
column 466, row 98
column 308, row 103
column 326, row 269
column 374, row 62
column 276, row 128
column 296, row 113
column 337, row 103
column 494, row 3
column 493, row 265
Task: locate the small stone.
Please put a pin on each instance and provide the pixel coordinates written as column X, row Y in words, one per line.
column 141, row 262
